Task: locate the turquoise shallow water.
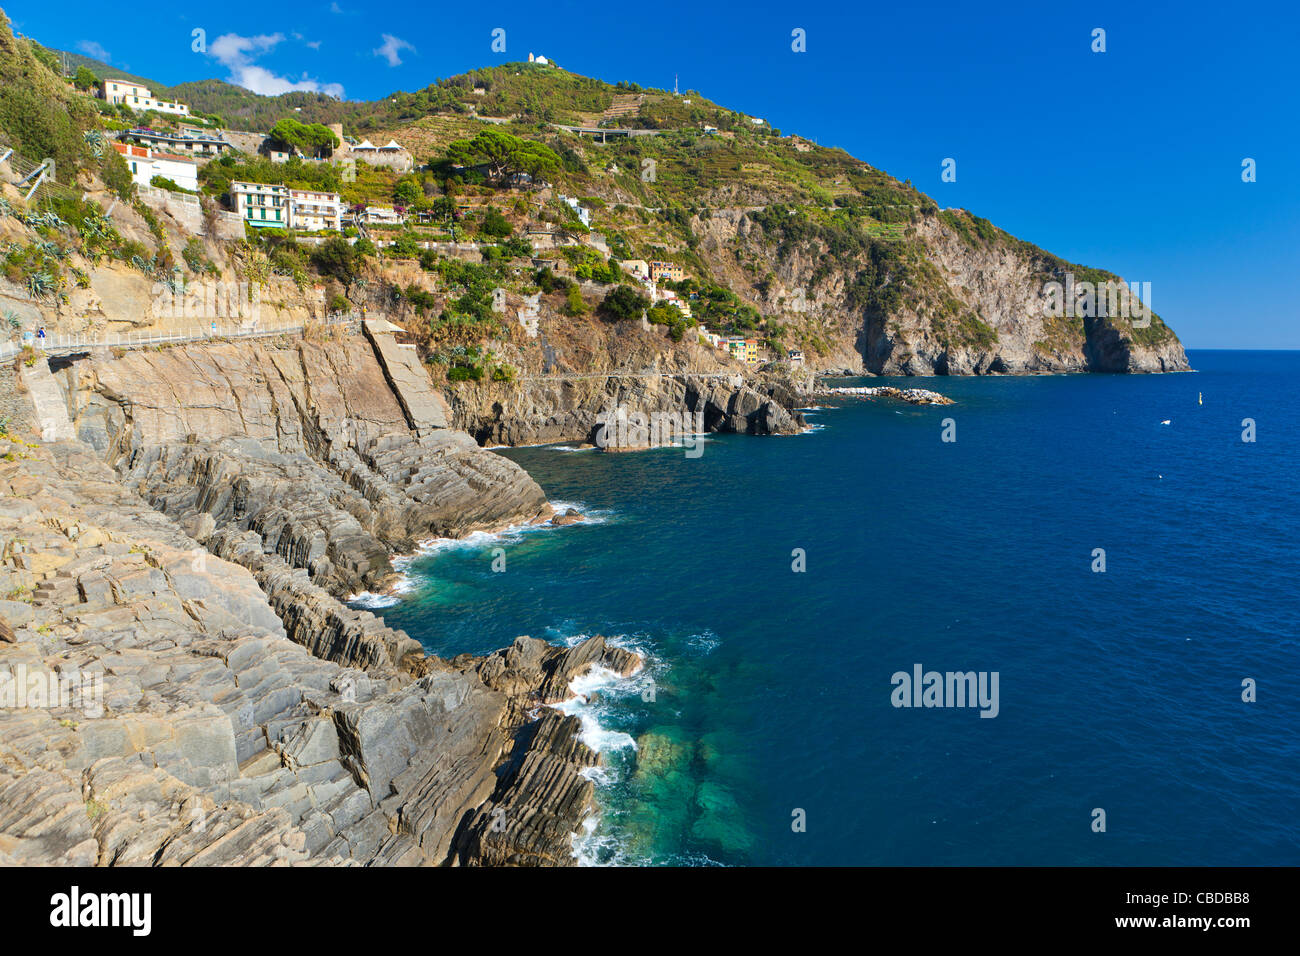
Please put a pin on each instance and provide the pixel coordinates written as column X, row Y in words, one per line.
column 768, row 691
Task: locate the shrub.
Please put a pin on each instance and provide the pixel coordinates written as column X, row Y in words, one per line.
column 574, row 304
column 337, row 259
column 495, row 224
column 405, row 246
column 624, row 302
column 464, row 373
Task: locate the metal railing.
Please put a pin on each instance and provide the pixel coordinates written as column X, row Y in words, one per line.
column 578, row 376
column 64, row 344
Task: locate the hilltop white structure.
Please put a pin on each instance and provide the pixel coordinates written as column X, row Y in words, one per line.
column 139, row 98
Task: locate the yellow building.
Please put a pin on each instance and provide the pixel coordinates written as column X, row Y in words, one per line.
column 670, row 271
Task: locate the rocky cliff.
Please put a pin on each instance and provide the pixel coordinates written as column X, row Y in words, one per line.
column 950, row 294
column 577, row 371
column 182, row 683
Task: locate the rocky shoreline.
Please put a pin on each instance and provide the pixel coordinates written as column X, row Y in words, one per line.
column 185, row 541
column 248, row 716
column 912, row 396
column 187, row 554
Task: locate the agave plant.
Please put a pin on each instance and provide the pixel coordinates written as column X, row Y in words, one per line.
column 95, row 140
column 50, row 219
column 6, row 207
column 147, row 266
column 41, row 284
column 93, row 227
column 52, row 250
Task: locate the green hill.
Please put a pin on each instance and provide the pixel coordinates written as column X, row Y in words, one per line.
column 106, row 71
column 42, row 117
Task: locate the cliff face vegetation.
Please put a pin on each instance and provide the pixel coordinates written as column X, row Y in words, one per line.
column 955, row 296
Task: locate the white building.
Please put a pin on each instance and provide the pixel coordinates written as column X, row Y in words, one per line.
column 712, row 339
column 584, row 215
column 312, row 211
column 261, row 204
column 392, row 154
column 145, row 164
column 383, row 216
column 139, row 98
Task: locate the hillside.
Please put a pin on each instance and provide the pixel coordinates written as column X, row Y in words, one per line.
column 41, row 117
column 798, row 245
column 106, row 71
column 822, row 251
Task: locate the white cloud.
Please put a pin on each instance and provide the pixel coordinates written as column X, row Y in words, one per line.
column 91, row 48
column 237, row 54
column 335, row 8
column 391, row 49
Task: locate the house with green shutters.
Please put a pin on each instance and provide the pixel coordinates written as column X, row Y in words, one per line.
column 261, row 204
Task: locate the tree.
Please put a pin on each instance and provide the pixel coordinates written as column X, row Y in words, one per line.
column 407, row 192
column 444, row 208
column 504, row 155
column 315, row 139
column 85, row 78
column 495, row 224
column 668, row 314
column 573, row 302
column 338, row 258
column 624, row 302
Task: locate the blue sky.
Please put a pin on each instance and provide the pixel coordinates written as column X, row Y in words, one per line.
column 1129, row 160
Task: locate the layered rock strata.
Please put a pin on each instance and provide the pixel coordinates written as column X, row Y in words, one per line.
column 172, row 580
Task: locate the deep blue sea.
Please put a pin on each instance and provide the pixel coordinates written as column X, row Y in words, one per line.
column 767, row 698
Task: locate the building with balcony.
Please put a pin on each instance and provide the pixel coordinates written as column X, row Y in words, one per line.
column 666, row 271
column 312, row 211
column 261, row 204
column 198, row 145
